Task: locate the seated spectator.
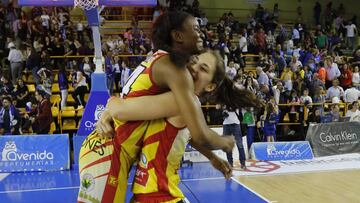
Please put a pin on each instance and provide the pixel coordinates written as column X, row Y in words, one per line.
column 46, row 81
column 9, row 118
column 315, row 116
column 22, row 93
column 351, row 95
column 334, row 114
column 354, row 112
column 6, row 87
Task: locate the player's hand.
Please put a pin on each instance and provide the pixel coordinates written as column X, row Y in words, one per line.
column 229, row 142
column 222, row 165
column 105, row 126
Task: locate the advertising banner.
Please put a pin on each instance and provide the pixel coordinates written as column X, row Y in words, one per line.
column 334, row 138
column 273, row 151
column 34, row 153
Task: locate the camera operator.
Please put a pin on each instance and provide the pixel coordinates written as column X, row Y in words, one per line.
column 231, row 127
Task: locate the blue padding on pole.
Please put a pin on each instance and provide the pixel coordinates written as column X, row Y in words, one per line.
column 92, row 16
column 96, row 103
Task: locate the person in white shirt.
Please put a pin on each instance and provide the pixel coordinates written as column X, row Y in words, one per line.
column 335, row 90
column 231, row 70
column 356, row 77
column 125, row 73
column 354, row 112
column 307, row 101
column 243, row 45
column 351, row 33
column 118, row 69
column 231, row 126
column 352, row 94
column 15, row 58
column 296, row 36
column 45, row 18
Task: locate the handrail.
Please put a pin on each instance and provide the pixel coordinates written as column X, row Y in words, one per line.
column 83, row 56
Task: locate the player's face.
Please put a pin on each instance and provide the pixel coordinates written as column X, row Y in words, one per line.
column 192, row 36
column 203, row 70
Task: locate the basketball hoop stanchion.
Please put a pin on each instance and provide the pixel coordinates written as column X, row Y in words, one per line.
column 99, row 93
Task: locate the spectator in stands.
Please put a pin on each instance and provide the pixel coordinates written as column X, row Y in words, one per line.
column 260, row 40
column 230, row 70
column 243, row 47
column 295, row 64
column 117, row 73
column 356, row 77
column 21, row 93
column 334, row 114
column 287, row 76
column 321, row 40
column 315, row 116
column 335, row 90
column 263, row 80
column 295, row 36
column 63, row 85
column 332, row 71
column 9, row 118
column 346, row 77
column 87, row 67
column 315, row 83
column 41, row 122
column 33, row 63
column 6, row 86
column 80, row 88
column 15, row 58
column 351, row 33
column 351, row 95
column 279, row 62
column 294, row 101
column 354, row 112
column 109, row 70
column 306, row 100
column 125, row 73
column 46, row 81
column 270, row 42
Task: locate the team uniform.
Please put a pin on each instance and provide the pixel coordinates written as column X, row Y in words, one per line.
column 104, row 163
column 156, row 178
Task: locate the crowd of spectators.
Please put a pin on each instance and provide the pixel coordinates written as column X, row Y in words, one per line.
column 300, row 66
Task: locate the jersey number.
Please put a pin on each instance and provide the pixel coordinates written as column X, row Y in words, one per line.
column 134, row 75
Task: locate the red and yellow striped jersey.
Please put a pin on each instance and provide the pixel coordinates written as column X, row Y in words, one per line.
column 156, row 178
column 104, row 163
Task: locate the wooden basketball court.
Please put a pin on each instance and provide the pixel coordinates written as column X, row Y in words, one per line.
column 328, row 186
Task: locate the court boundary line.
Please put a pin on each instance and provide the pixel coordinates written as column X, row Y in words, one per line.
column 251, row 190
column 37, row 190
